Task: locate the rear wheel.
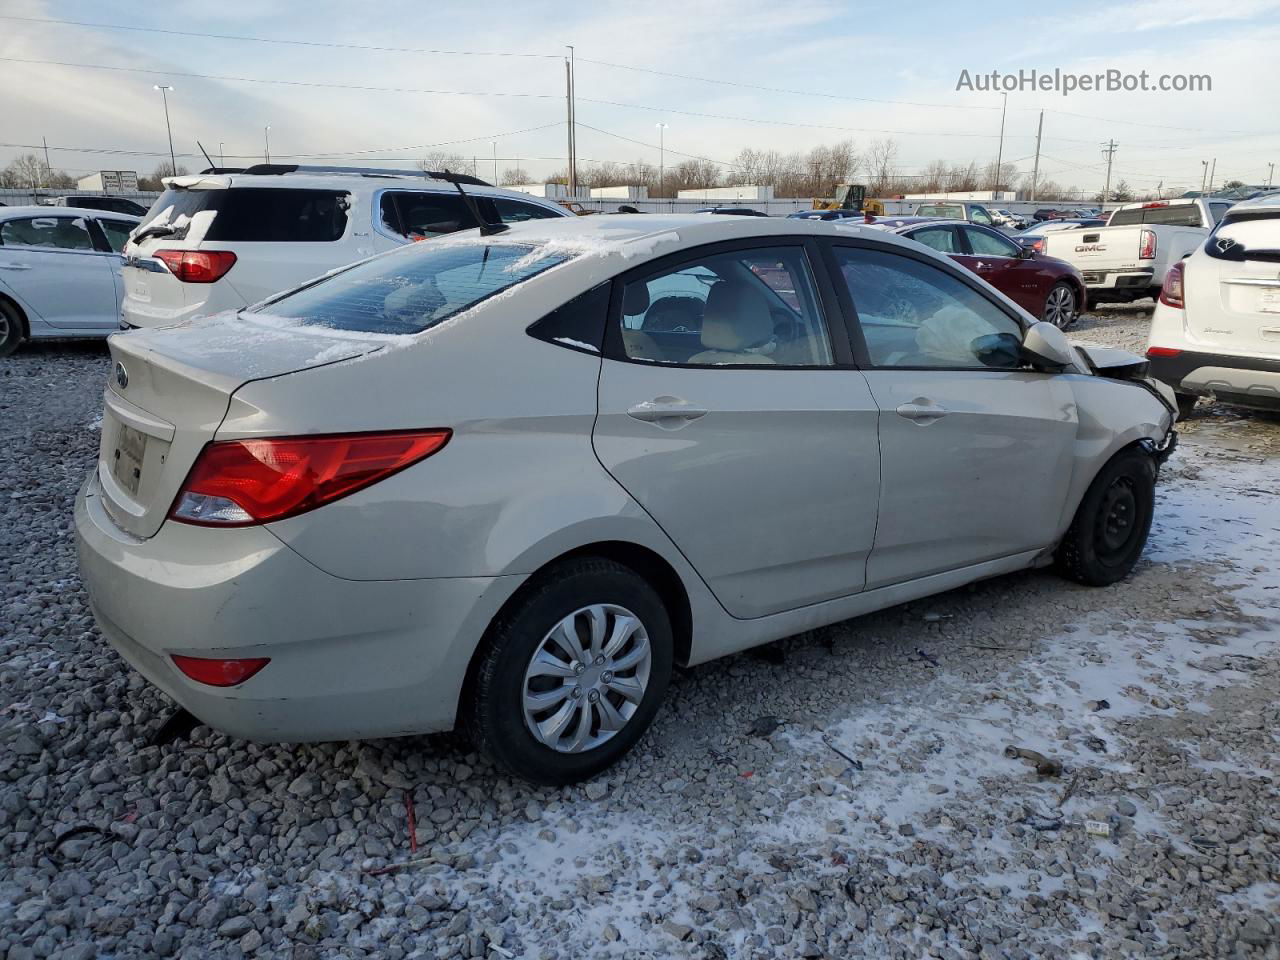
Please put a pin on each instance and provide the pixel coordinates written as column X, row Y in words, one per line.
column 1111, row 525
column 1186, row 404
column 569, row 679
column 11, row 332
column 1060, row 306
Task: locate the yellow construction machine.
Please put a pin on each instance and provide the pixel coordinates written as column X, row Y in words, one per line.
column 850, row 196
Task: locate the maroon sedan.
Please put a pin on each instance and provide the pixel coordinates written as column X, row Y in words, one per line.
column 1045, row 287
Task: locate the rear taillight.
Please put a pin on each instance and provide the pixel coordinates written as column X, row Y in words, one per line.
column 197, row 266
column 1172, row 293
column 239, row 483
column 1163, row 351
column 217, row 672
column 1147, row 248
column 1038, row 245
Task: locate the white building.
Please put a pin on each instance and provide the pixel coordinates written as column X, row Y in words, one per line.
column 110, row 181
column 746, row 191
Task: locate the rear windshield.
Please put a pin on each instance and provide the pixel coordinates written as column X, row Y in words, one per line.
column 940, row 210
column 413, row 289
column 1252, row 235
column 258, row 214
column 1181, row 215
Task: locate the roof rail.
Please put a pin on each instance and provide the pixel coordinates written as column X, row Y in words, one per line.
column 279, row 169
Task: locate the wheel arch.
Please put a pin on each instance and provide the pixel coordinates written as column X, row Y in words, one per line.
column 22, row 314
column 645, row 562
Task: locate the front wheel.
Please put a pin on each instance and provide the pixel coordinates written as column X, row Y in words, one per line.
column 570, row 678
column 1060, row 306
column 1110, row 528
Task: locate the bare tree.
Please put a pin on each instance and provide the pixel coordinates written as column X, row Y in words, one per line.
column 880, row 160
column 514, row 175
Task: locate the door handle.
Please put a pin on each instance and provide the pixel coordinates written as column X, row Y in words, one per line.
column 923, row 411
column 666, row 412
column 15, row 266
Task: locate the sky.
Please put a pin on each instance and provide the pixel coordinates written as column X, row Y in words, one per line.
column 833, row 71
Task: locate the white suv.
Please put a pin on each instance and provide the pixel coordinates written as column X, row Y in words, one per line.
column 225, row 239
column 1216, row 327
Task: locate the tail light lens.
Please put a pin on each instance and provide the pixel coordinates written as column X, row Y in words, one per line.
column 197, row 266
column 1172, row 293
column 1038, row 245
column 219, row 672
column 1163, row 351
column 1147, row 249
column 240, row 483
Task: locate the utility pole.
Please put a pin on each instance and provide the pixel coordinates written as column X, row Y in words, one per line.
column 266, row 141
column 164, row 89
column 1108, row 151
column 1204, row 174
column 494, row 144
column 1160, row 190
column 1000, row 151
column 662, row 144
column 1035, row 170
column 1212, row 170
column 48, row 168
column 573, row 145
column 222, row 157
column 1271, row 169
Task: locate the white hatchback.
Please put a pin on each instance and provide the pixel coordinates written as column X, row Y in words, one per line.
column 223, row 240
column 1216, row 328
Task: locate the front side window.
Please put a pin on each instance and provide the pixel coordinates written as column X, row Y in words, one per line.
column 117, row 232
column 987, row 244
column 980, row 215
column 61, row 233
column 913, row 314
column 517, row 211
column 746, row 307
column 414, row 289
column 942, row 239
column 421, row 216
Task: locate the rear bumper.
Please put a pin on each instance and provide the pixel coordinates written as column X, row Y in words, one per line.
column 1248, row 381
column 349, row 659
column 1131, row 284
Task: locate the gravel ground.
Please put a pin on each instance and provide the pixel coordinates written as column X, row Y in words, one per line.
column 843, row 793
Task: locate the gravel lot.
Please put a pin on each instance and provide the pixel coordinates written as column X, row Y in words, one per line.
column 844, row 793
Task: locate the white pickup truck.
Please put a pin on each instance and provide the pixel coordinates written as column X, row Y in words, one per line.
column 1127, row 259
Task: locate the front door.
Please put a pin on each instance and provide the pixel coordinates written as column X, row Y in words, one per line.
column 975, row 449
column 1001, row 262
column 52, row 266
column 732, row 417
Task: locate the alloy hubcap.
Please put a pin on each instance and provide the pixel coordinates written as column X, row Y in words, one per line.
column 587, row 678
column 1059, row 307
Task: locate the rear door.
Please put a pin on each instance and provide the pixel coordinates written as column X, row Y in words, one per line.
column 52, row 265
column 1233, row 288
column 752, row 439
column 975, row 450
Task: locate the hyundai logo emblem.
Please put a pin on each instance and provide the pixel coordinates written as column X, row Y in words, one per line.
column 122, row 376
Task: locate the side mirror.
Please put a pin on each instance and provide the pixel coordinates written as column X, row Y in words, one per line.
column 1026, row 253
column 1045, row 346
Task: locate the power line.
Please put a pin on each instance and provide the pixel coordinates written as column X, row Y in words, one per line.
column 296, row 43
column 284, row 83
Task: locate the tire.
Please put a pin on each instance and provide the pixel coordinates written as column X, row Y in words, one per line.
column 1110, row 528
column 496, row 716
column 1186, row 404
column 1060, row 306
column 11, row 331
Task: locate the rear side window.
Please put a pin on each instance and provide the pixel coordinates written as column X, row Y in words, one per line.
column 579, row 324
column 1181, row 215
column 258, row 215
column 414, row 289
column 62, row 233
column 942, row 239
column 116, row 231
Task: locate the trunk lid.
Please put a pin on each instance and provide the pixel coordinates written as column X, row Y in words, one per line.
column 1232, row 295
column 168, row 391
